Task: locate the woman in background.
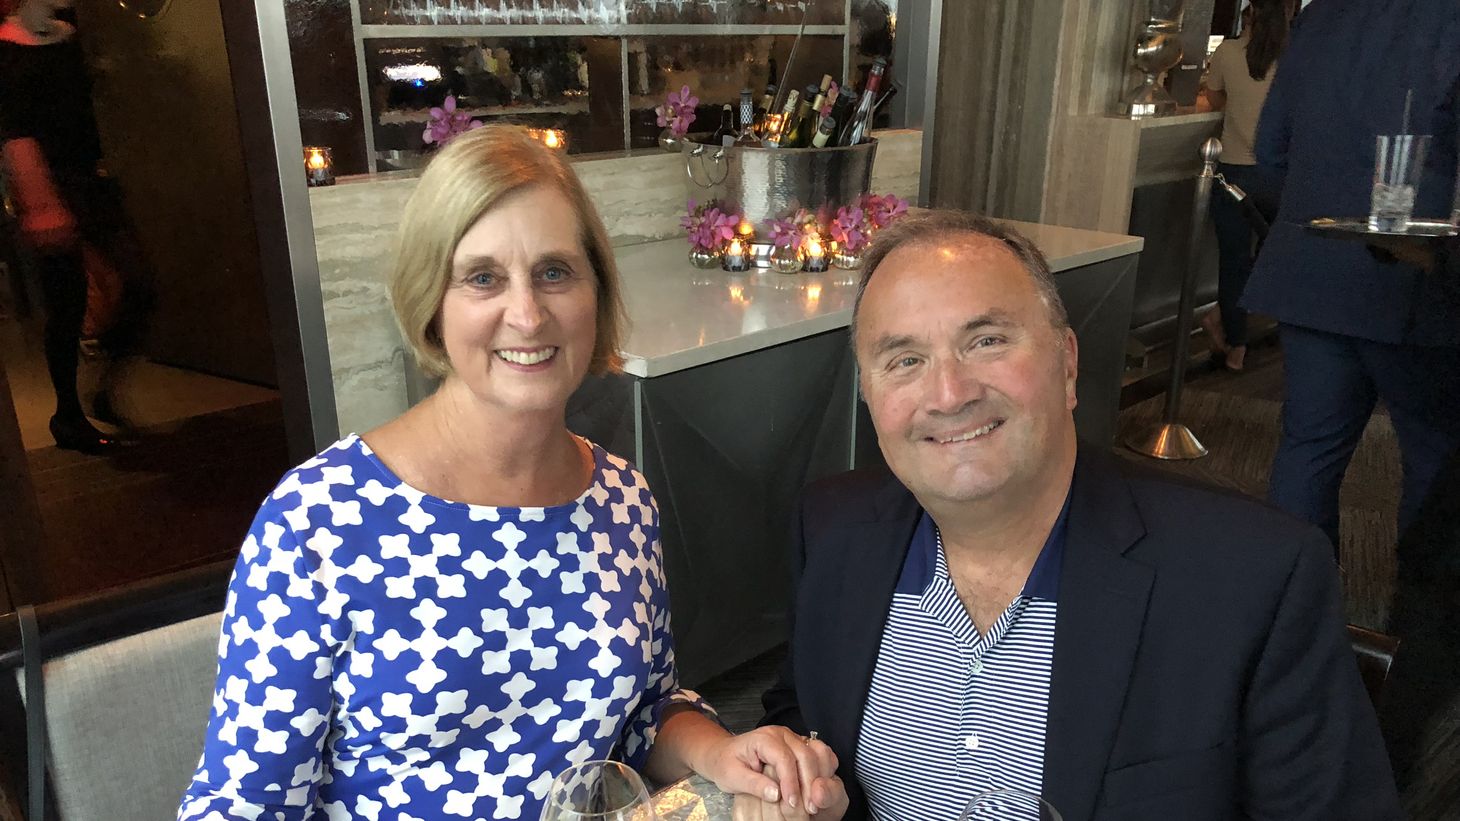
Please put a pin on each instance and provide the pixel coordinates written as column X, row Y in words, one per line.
column 1238, row 78
column 68, row 210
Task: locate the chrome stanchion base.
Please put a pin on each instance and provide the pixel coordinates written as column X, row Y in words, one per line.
column 1173, row 441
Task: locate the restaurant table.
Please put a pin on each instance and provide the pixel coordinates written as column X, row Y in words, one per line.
column 693, row 799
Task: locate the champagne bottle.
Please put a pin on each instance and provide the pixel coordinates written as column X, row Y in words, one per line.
column 788, row 113
column 861, row 124
column 746, row 134
column 725, row 134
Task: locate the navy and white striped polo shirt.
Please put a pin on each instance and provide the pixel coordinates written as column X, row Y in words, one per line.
column 951, row 713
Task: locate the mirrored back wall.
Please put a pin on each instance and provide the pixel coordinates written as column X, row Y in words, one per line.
column 368, row 72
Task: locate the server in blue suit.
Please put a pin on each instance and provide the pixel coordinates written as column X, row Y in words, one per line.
column 1357, row 329
column 1006, row 610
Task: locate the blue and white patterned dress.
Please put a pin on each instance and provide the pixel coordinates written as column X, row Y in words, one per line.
column 390, row 655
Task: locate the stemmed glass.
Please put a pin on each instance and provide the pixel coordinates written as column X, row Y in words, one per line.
column 598, row 791
column 1008, row 805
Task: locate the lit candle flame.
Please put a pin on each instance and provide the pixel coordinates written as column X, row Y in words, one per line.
column 736, row 249
column 552, row 139
column 746, row 229
column 813, row 247
column 316, row 158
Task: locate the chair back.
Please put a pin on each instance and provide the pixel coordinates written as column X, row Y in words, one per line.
column 126, row 720
column 127, row 682
column 1375, row 652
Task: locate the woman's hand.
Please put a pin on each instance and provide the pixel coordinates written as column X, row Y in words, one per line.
column 828, row 797
column 792, row 775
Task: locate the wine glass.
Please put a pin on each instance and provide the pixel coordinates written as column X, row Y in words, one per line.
column 1008, row 805
column 598, row 791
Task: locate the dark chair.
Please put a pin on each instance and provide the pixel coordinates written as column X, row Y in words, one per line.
column 128, row 683
column 1375, row 652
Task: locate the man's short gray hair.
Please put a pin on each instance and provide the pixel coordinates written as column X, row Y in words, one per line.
column 947, row 223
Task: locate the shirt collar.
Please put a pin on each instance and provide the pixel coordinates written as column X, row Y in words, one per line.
column 1044, row 578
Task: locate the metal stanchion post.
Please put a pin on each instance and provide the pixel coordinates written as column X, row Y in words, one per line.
column 1171, row 439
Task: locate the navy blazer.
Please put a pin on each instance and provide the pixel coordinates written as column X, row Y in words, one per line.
column 1341, row 81
column 1202, row 670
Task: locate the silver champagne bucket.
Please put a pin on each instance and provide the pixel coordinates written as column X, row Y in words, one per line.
column 771, row 183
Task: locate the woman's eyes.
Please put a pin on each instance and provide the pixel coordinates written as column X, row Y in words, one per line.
column 555, row 274
column 549, row 275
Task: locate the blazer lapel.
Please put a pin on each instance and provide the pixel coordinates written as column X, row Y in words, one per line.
column 1102, row 609
column 858, row 597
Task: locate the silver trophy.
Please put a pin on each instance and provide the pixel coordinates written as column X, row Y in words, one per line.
column 1158, row 49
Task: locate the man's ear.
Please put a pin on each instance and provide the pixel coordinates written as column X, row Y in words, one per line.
column 1072, row 367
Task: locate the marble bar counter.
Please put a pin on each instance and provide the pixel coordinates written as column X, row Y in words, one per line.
column 741, row 388
column 684, row 317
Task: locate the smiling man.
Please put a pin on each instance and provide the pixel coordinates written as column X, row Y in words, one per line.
column 1009, row 610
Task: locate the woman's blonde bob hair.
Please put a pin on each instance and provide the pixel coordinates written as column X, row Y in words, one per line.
column 468, row 178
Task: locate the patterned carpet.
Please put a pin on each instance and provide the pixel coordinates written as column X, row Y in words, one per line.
column 1236, row 417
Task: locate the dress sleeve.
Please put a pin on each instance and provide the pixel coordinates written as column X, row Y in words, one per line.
column 271, row 706
column 663, row 687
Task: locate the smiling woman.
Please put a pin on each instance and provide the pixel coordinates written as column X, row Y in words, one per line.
column 469, row 599
column 470, row 177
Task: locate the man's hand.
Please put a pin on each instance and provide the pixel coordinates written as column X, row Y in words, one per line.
column 827, row 802
column 794, row 775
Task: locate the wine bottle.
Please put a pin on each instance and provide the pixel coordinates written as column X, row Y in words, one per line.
column 861, row 124
column 778, row 128
column 804, row 126
column 725, row 134
column 824, row 132
column 829, row 100
column 763, row 109
column 841, row 110
column 746, row 134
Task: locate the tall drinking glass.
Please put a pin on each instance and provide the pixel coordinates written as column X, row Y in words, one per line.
column 1008, row 805
column 598, row 791
column 1398, row 161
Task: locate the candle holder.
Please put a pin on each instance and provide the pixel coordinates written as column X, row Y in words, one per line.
column 846, row 260
column 786, row 259
column 319, row 166
column 815, row 261
column 737, row 257
column 701, row 258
